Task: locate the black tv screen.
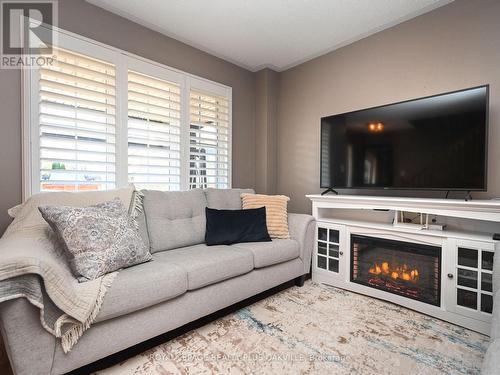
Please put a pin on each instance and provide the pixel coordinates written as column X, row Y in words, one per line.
column 437, row 143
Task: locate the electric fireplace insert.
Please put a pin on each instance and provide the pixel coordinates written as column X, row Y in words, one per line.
column 407, row 269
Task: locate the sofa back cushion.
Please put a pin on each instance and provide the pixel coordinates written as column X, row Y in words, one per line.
column 27, row 215
column 175, row 218
column 276, row 212
column 225, row 199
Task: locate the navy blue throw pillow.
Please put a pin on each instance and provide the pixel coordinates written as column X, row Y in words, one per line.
column 226, row 227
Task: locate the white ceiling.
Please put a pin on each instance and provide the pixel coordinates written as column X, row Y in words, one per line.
column 278, row 34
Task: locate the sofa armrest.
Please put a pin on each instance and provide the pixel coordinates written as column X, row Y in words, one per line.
column 301, row 228
column 30, row 348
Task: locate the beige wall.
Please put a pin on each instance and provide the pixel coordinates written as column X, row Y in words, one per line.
column 87, row 20
column 276, row 116
column 454, row 47
column 266, row 92
column 10, row 143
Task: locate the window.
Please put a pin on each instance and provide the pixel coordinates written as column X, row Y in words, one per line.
column 208, row 140
column 77, row 109
column 154, row 133
column 100, row 117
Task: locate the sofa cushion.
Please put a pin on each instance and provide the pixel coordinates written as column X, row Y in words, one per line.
column 207, row 265
column 225, row 199
column 269, row 253
column 142, row 286
column 276, row 212
column 98, row 239
column 174, row 218
column 226, row 227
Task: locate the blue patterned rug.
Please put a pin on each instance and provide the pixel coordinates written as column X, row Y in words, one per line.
column 317, row 329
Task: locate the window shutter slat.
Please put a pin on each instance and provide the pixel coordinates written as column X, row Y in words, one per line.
column 212, row 113
column 68, row 129
column 51, row 119
column 154, row 100
column 208, row 140
column 84, row 93
column 154, row 93
column 62, row 76
column 154, row 121
column 204, row 101
column 77, row 116
column 76, row 102
column 85, row 62
column 85, row 72
column 64, row 109
column 149, row 116
column 148, row 82
column 146, row 110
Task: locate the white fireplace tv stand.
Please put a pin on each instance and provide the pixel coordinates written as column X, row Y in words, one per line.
column 443, row 273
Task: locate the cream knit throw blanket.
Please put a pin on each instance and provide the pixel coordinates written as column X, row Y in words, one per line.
column 34, row 266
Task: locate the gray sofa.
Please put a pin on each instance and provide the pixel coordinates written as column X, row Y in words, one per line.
column 185, row 281
column 491, row 363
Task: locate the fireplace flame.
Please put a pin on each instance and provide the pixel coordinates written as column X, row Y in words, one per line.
column 400, row 272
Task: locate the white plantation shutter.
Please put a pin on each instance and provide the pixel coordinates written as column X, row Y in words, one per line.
column 154, row 132
column 209, row 139
column 76, row 124
column 98, row 117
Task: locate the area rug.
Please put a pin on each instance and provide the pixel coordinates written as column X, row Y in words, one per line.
column 316, row 329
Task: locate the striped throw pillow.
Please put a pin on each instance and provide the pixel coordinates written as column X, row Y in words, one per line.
column 276, row 212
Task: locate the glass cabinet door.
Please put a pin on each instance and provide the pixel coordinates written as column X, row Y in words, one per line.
column 328, row 253
column 474, row 270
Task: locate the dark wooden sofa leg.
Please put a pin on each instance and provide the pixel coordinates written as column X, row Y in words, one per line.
column 299, row 281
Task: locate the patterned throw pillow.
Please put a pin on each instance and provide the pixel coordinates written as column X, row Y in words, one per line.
column 276, row 212
column 98, row 239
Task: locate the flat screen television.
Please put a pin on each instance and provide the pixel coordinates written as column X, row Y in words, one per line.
column 433, row 143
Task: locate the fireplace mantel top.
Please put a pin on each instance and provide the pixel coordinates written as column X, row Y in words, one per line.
column 481, row 209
